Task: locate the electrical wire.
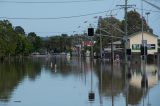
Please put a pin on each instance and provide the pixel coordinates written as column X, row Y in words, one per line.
column 51, row 32
column 111, row 6
column 54, row 18
column 46, row 2
column 146, row 10
column 118, row 10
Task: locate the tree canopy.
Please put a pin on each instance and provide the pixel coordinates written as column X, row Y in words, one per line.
column 14, row 42
column 135, row 23
column 19, row 30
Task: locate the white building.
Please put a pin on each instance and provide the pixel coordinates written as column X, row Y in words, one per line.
column 135, row 41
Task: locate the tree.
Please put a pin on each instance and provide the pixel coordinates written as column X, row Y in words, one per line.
column 108, row 26
column 8, row 38
column 35, row 40
column 19, row 30
column 13, row 42
column 24, row 47
column 135, row 23
column 20, row 45
column 59, row 44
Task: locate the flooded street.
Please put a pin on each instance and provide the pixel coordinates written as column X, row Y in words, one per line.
column 65, row 81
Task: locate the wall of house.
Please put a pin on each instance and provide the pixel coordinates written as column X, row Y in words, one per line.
column 136, row 40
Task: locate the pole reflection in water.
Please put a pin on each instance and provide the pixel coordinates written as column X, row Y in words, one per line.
column 144, row 89
column 101, row 99
column 144, row 81
column 91, row 95
column 112, row 84
column 126, row 83
column 55, row 64
column 148, row 104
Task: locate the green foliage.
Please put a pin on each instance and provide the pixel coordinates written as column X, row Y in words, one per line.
column 13, row 41
column 7, row 38
column 23, row 46
column 135, row 23
column 107, row 26
column 59, row 43
column 19, row 30
column 35, row 41
column 114, row 27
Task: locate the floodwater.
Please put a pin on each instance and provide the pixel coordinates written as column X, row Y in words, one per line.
column 65, row 81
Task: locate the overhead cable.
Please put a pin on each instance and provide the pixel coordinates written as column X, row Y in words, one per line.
column 146, row 10
column 53, row 18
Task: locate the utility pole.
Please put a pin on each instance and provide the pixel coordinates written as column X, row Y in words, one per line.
column 101, row 29
column 111, row 33
column 144, row 81
column 100, row 25
column 126, row 31
column 126, row 6
column 112, row 51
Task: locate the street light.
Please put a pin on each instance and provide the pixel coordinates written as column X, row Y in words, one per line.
column 147, row 13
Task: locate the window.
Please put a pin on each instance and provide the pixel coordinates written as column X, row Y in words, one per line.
column 151, row 46
column 136, row 46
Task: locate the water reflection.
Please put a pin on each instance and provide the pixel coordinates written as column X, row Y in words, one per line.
column 12, row 73
column 91, row 95
column 103, row 83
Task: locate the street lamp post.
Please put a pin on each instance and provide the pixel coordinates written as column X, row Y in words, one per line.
column 147, row 13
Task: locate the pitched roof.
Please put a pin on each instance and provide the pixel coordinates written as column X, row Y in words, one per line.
column 134, row 34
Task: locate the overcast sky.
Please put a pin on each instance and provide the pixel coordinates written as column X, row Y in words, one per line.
column 54, row 26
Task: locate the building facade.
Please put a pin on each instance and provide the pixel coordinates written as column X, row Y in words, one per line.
column 150, row 40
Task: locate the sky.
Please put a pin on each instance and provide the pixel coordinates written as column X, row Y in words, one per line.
column 54, row 17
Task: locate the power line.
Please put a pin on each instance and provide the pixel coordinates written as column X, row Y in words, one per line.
column 111, row 6
column 47, row 2
column 152, row 4
column 119, row 10
column 51, row 32
column 147, row 10
column 53, row 18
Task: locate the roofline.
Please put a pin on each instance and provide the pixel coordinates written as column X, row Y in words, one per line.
column 143, row 32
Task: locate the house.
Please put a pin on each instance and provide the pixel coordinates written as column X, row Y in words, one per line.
column 135, row 41
column 117, row 50
column 117, row 46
